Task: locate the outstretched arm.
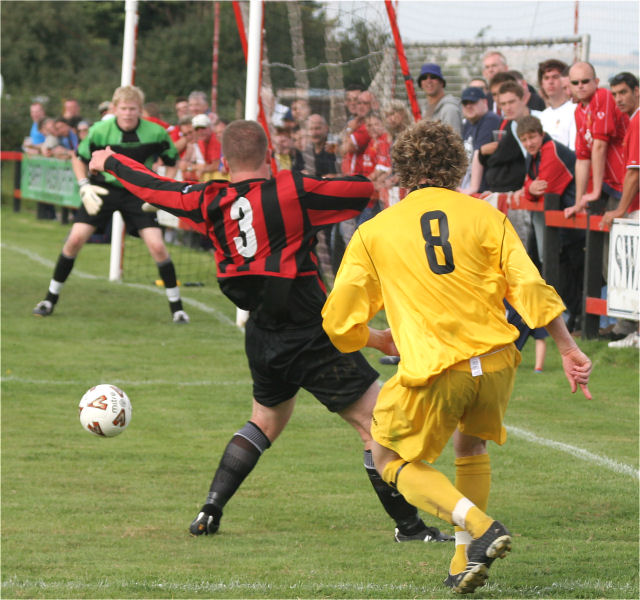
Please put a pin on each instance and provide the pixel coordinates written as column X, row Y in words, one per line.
column 576, row 364
column 630, row 189
column 177, row 197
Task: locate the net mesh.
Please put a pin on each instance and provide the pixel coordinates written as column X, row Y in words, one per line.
column 359, row 48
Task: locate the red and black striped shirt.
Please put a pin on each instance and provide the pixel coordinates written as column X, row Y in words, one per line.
column 261, row 229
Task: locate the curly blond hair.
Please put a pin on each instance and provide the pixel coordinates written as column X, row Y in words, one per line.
column 429, row 152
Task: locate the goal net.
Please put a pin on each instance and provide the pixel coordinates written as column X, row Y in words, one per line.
column 190, row 252
column 314, row 52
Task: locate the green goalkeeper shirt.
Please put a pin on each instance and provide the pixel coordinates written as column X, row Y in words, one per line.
column 145, row 144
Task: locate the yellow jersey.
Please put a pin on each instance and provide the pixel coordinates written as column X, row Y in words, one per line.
column 440, row 263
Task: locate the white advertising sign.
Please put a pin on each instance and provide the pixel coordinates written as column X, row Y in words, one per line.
column 623, row 291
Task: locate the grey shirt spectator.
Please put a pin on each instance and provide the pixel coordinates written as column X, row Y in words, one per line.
column 439, row 106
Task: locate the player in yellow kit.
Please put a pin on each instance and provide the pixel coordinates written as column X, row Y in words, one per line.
column 440, row 263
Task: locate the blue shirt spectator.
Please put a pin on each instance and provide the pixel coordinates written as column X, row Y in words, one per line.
column 477, row 130
column 36, row 110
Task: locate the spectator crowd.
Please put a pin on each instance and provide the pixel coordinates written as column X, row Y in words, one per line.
column 571, row 136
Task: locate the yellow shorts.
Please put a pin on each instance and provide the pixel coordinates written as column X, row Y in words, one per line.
column 417, row 422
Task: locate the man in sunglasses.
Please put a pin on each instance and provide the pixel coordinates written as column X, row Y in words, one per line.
column 600, row 133
column 599, row 172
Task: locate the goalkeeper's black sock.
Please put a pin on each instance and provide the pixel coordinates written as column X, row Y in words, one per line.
column 63, row 268
column 167, row 273
column 61, row 272
column 404, row 514
column 240, row 456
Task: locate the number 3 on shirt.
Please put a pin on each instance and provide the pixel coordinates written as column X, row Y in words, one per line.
column 246, row 243
column 437, row 240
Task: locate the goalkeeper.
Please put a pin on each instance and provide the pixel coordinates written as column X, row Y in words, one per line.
column 102, row 195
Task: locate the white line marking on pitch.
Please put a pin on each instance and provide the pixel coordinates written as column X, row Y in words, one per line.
column 123, row 382
column 150, row 288
column 580, row 453
column 306, row 589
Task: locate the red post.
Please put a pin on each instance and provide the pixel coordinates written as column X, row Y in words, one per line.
column 402, row 59
column 214, row 62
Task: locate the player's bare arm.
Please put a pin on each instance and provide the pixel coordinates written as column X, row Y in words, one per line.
column 630, row 189
column 381, row 339
column 577, row 366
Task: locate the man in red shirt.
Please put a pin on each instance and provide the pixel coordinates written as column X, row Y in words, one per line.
column 600, row 132
column 357, row 137
column 624, row 88
column 264, row 232
column 376, row 165
column 209, row 147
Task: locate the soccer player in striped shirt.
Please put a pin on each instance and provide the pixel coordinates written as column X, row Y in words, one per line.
column 263, row 231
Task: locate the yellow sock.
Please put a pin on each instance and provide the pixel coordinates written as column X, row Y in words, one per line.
column 477, row 522
column 424, row 487
column 428, row 489
column 473, row 480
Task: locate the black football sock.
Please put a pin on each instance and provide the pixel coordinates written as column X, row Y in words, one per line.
column 61, row 272
column 167, row 273
column 404, row 514
column 240, row 456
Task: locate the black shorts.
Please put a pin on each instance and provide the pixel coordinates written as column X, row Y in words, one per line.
column 130, row 207
column 283, row 361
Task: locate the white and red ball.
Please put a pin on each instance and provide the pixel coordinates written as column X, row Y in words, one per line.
column 105, row 410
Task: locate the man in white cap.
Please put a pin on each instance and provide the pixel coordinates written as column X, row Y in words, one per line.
column 209, row 147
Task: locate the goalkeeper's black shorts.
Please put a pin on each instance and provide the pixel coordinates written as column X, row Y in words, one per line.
column 130, row 207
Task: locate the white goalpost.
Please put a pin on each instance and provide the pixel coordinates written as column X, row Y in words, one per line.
column 254, row 42
column 128, row 66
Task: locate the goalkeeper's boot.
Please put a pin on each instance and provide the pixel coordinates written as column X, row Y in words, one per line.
column 207, row 522
column 494, row 543
column 424, row 534
column 180, row 317
column 43, row 308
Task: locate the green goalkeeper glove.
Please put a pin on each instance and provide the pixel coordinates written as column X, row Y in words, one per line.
column 90, row 196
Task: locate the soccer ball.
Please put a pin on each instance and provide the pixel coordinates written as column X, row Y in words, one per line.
column 105, row 410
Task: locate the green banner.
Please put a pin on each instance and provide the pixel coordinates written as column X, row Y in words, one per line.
column 49, row 180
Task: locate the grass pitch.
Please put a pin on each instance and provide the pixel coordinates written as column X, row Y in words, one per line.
column 85, row 517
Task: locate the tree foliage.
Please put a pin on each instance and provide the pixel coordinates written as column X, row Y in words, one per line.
column 58, row 49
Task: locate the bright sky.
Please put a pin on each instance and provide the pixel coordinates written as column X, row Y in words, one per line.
column 612, row 24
